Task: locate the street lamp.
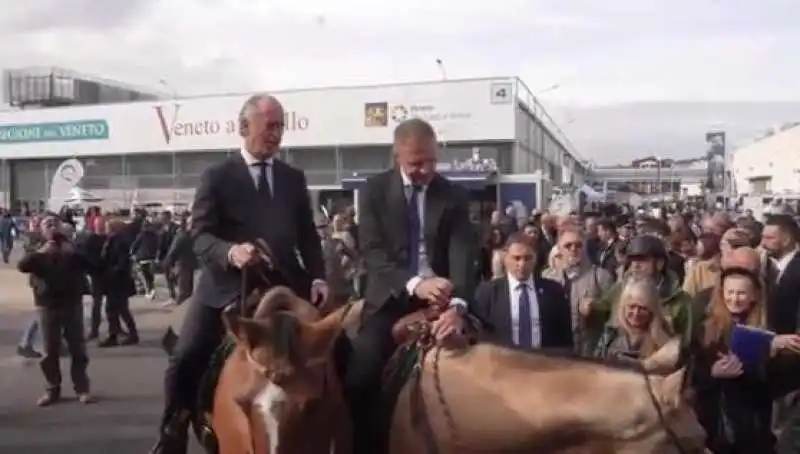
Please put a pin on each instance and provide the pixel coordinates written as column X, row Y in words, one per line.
column 550, row 88
column 442, row 70
column 163, row 82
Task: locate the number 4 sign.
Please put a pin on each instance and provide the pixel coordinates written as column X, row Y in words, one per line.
column 501, row 93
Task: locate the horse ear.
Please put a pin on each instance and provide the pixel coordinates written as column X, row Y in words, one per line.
column 671, row 389
column 243, row 330
column 320, row 337
column 665, row 359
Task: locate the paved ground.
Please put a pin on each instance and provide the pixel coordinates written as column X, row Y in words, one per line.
column 126, row 380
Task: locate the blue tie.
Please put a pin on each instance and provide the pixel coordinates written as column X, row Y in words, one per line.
column 414, row 228
column 525, row 323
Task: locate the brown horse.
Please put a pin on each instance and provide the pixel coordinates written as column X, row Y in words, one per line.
column 490, row 399
column 278, row 392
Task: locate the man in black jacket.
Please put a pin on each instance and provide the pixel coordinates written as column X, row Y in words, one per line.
column 180, row 261
column 167, row 230
column 58, row 278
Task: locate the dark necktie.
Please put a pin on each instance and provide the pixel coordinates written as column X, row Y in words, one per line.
column 525, row 322
column 263, row 181
column 414, row 228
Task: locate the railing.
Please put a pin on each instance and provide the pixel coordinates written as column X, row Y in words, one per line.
column 528, row 99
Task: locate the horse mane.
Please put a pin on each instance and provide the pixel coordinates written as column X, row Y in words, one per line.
column 284, row 335
column 554, row 358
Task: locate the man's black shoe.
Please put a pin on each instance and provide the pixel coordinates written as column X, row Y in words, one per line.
column 172, row 441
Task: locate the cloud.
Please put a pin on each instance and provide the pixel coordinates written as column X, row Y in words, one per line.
column 598, row 52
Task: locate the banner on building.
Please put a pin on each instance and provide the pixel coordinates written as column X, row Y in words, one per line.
column 715, row 158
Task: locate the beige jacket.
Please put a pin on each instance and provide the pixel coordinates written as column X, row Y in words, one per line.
column 589, row 281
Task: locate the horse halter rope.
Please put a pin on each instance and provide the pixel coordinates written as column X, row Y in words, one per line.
column 673, row 437
column 425, row 343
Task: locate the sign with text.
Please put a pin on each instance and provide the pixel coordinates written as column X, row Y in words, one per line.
column 54, row 132
column 460, row 111
column 174, row 127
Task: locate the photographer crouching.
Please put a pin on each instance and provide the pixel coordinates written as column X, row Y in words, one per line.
column 58, row 277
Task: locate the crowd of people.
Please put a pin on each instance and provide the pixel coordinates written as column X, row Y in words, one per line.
column 635, row 282
column 613, row 284
column 103, row 260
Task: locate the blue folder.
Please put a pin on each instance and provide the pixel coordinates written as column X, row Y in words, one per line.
column 751, row 345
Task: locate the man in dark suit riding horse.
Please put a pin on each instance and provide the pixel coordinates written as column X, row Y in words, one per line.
column 250, row 197
column 417, row 243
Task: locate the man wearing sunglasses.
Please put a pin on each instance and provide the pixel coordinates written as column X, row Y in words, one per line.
column 580, row 278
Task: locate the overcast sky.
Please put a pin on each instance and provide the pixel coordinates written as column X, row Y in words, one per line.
column 598, row 52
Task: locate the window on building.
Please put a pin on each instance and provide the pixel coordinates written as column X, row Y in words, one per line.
column 761, row 185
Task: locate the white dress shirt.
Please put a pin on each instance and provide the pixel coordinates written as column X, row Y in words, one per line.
column 782, row 263
column 255, row 169
column 513, row 297
column 423, row 265
column 255, row 174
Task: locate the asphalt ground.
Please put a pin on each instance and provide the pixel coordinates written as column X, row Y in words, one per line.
column 127, row 382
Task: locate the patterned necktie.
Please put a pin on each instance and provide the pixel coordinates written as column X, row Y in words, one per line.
column 525, row 322
column 263, row 180
column 414, row 228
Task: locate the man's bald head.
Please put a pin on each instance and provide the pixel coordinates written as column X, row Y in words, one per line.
column 743, row 257
column 261, row 125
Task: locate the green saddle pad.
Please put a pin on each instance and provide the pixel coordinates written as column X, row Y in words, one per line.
column 208, row 384
column 397, row 374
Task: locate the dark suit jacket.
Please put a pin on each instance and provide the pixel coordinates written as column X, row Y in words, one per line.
column 383, row 237
column 608, row 258
column 492, row 306
column 117, row 279
column 783, row 301
column 228, row 210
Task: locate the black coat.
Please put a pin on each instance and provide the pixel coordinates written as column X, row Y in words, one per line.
column 116, row 278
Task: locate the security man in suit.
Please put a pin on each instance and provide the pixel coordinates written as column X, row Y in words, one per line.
column 417, row 244
column 250, row 196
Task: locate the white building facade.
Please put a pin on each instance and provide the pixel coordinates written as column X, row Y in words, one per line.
column 769, row 166
column 156, row 151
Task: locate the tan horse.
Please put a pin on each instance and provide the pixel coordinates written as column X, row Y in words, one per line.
column 278, row 392
column 489, row 399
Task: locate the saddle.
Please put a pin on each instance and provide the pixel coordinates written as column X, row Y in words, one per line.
column 405, row 329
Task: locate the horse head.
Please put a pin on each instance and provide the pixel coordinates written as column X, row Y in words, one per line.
column 286, row 351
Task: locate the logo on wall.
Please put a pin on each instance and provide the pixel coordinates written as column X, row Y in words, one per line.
column 376, row 114
column 399, row 113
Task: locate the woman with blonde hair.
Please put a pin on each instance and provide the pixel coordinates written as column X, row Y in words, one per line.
column 734, row 395
column 638, row 328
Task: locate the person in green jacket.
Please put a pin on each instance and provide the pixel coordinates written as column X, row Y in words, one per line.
column 647, row 257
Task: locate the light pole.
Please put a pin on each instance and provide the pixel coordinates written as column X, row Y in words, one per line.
column 658, row 175
column 442, row 70
column 550, row 88
column 163, row 82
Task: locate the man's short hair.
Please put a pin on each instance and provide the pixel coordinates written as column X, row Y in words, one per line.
column 519, row 238
column 414, row 127
column 785, row 223
column 608, row 225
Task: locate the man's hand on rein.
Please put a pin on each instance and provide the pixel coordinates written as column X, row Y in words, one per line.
column 449, row 329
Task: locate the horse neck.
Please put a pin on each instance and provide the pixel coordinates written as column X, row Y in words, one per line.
column 585, row 392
